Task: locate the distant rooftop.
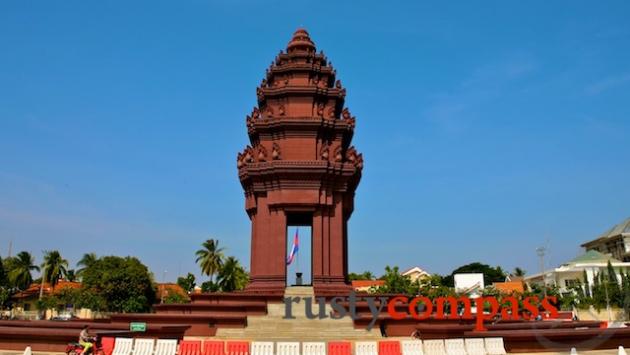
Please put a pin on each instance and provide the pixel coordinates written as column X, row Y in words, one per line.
column 592, row 256
column 622, row 229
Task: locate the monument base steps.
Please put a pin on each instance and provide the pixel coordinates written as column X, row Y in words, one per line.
column 273, row 326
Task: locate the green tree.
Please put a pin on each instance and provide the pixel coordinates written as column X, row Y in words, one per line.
column 21, row 267
column 68, row 296
column 91, row 299
column 232, row 276
column 434, row 280
column 176, row 298
column 187, row 283
column 86, row 261
column 5, row 294
column 4, row 280
column 210, row 258
column 625, row 289
column 578, row 291
column 395, row 282
column 599, row 294
column 209, row 286
column 490, row 274
column 519, row 272
column 125, row 284
column 71, row 275
column 47, row 302
column 366, row 275
column 614, row 289
column 54, row 267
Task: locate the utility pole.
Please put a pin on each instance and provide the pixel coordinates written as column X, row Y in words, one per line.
column 41, row 292
column 540, row 251
column 41, row 284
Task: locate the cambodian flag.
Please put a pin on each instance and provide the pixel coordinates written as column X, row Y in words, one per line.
column 294, row 248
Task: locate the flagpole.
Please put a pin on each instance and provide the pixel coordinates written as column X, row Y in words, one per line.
column 297, row 255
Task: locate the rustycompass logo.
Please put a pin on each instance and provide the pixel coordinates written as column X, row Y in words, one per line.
column 480, row 309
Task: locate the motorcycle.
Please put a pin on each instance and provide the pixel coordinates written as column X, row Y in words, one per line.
column 76, row 348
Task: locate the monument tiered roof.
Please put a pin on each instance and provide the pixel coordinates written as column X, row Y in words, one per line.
column 300, row 97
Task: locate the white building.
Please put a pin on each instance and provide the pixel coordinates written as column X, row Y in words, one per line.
column 470, row 284
column 567, row 275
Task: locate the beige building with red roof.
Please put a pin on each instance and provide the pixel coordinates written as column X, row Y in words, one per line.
column 416, row 273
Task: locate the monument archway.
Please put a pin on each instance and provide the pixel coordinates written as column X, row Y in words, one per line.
column 300, row 163
column 302, row 262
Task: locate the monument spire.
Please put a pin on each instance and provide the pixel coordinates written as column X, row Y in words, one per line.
column 301, row 41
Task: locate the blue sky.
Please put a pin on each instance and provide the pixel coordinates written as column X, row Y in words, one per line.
column 487, row 129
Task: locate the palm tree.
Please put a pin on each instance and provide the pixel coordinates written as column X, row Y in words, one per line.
column 86, row 261
column 21, row 267
column 518, row 272
column 54, row 266
column 3, row 275
column 210, row 258
column 368, row 275
column 71, row 275
column 232, row 275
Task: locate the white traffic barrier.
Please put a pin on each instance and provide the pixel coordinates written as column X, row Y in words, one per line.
column 434, row 347
column 166, row 347
column 287, row 348
column 475, row 346
column 143, row 347
column 411, row 347
column 123, row 346
column 455, row 347
column 365, row 348
column 314, row 348
column 262, row 348
column 494, row 346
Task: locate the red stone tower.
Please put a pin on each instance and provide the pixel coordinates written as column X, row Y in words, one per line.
column 300, row 168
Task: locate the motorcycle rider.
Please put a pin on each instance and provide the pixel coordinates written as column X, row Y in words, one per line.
column 85, row 339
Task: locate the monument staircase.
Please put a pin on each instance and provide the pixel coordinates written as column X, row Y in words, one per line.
column 273, row 327
column 207, row 312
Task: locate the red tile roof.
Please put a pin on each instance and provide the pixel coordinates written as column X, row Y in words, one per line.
column 170, row 288
column 34, row 289
column 509, row 287
column 367, row 283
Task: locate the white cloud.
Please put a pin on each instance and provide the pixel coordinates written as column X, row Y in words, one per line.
column 607, row 84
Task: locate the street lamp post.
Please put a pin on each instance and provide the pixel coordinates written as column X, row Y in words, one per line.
column 540, row 251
